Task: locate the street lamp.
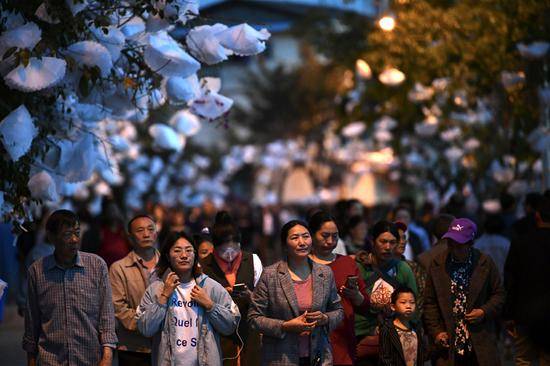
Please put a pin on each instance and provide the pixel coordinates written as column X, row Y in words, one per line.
column 387, row 23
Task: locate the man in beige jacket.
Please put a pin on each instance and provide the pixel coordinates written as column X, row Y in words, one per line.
column 129, row 279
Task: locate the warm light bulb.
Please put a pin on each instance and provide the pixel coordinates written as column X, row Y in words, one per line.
column 387, row 23
column 363, row 69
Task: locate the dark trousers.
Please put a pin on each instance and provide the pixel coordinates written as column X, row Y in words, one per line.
column 127, row 358
column 304, row 361
column 468, row 359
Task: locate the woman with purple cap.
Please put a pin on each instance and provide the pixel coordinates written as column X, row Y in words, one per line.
column 463, row 297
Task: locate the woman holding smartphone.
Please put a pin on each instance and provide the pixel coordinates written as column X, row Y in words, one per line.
column 183, row 310
column 295, row 305
column 349, row 283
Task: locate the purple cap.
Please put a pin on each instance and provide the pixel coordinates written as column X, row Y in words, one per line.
column 461, row 230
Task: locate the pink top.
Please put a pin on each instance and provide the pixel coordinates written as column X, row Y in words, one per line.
column 304, row 295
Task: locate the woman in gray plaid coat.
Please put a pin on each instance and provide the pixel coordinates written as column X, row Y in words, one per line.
column 295, row 305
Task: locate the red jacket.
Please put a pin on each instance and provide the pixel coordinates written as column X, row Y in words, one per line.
column 342, row 338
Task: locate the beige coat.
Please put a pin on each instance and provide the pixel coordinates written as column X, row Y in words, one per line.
column 129, row 279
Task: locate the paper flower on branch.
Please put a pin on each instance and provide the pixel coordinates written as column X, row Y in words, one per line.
column 391, row 77
column 534, row 50
column 211, row 106
column 166, row 138
column 133, row 28
column 185, row 123
column 453, row 154
column 385, row 123
column 166, row 57
column 420, row 93
column 113, row 40
column 37, row 75
column 78, row 159
column 244, row 40
column 76, row 6
column 23, row 37
column 182, row 10
column 354, row 129
column 17, row 131
column 205, row 46
column 42, row 187
column 182, row 90
column 91, row 54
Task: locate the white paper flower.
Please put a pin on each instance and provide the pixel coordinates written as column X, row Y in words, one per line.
column 182, row 10
column 471, row 144
column 182, row 90
column 157, row 98
column 420, row 93
column 383, row 136
column 17, row 131
column 42, row 187
column 453, row 153
column 76, row 6
column 211, row 106
column 451, row 134
column 133, row 28
column 210, row 84
column 42, row 14
column 166, row 138
column 91, row 54
column 391, row 77
column 185, row 123
column 114, row 40
column 23, row 37
column 78, row 159
column 39, row 74
column 354, row 129
column 205, row 46
column 244, row 40
column 165, row 56
column 441, row 84
column 385, row 123
column 533, row 50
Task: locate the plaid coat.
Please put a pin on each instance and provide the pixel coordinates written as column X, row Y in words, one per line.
column 274, row 302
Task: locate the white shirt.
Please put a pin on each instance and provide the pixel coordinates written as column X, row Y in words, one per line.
column 185, row 321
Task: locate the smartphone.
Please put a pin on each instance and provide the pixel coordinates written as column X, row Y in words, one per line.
column 239, row 287
column 352, row 282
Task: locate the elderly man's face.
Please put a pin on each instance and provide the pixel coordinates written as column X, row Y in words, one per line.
column 66, row 241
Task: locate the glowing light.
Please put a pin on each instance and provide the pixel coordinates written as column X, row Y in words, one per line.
column 391, row 77
column 387, row 23
column 363, row 69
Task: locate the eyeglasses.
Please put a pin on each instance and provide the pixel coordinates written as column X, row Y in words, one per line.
column 326, row 236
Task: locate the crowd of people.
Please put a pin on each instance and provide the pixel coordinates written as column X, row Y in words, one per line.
column 206, row 287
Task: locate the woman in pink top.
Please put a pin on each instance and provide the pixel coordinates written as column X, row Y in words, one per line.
column 349, row 283
column 295, row 305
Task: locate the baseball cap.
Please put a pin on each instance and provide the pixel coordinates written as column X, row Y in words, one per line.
column 461, row 230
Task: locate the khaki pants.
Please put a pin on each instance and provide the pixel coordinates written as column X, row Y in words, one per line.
column 527, row 354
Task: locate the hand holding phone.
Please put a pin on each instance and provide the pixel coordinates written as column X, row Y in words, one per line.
column 352, row 282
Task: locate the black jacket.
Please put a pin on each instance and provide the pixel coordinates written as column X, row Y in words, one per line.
column 391, row 352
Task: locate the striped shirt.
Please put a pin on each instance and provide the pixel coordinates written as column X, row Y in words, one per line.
column 69, row 315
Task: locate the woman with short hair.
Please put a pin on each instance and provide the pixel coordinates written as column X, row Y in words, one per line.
column 295, row 305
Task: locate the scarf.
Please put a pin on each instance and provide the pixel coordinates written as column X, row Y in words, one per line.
column 460, row 283
column 229, row 269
